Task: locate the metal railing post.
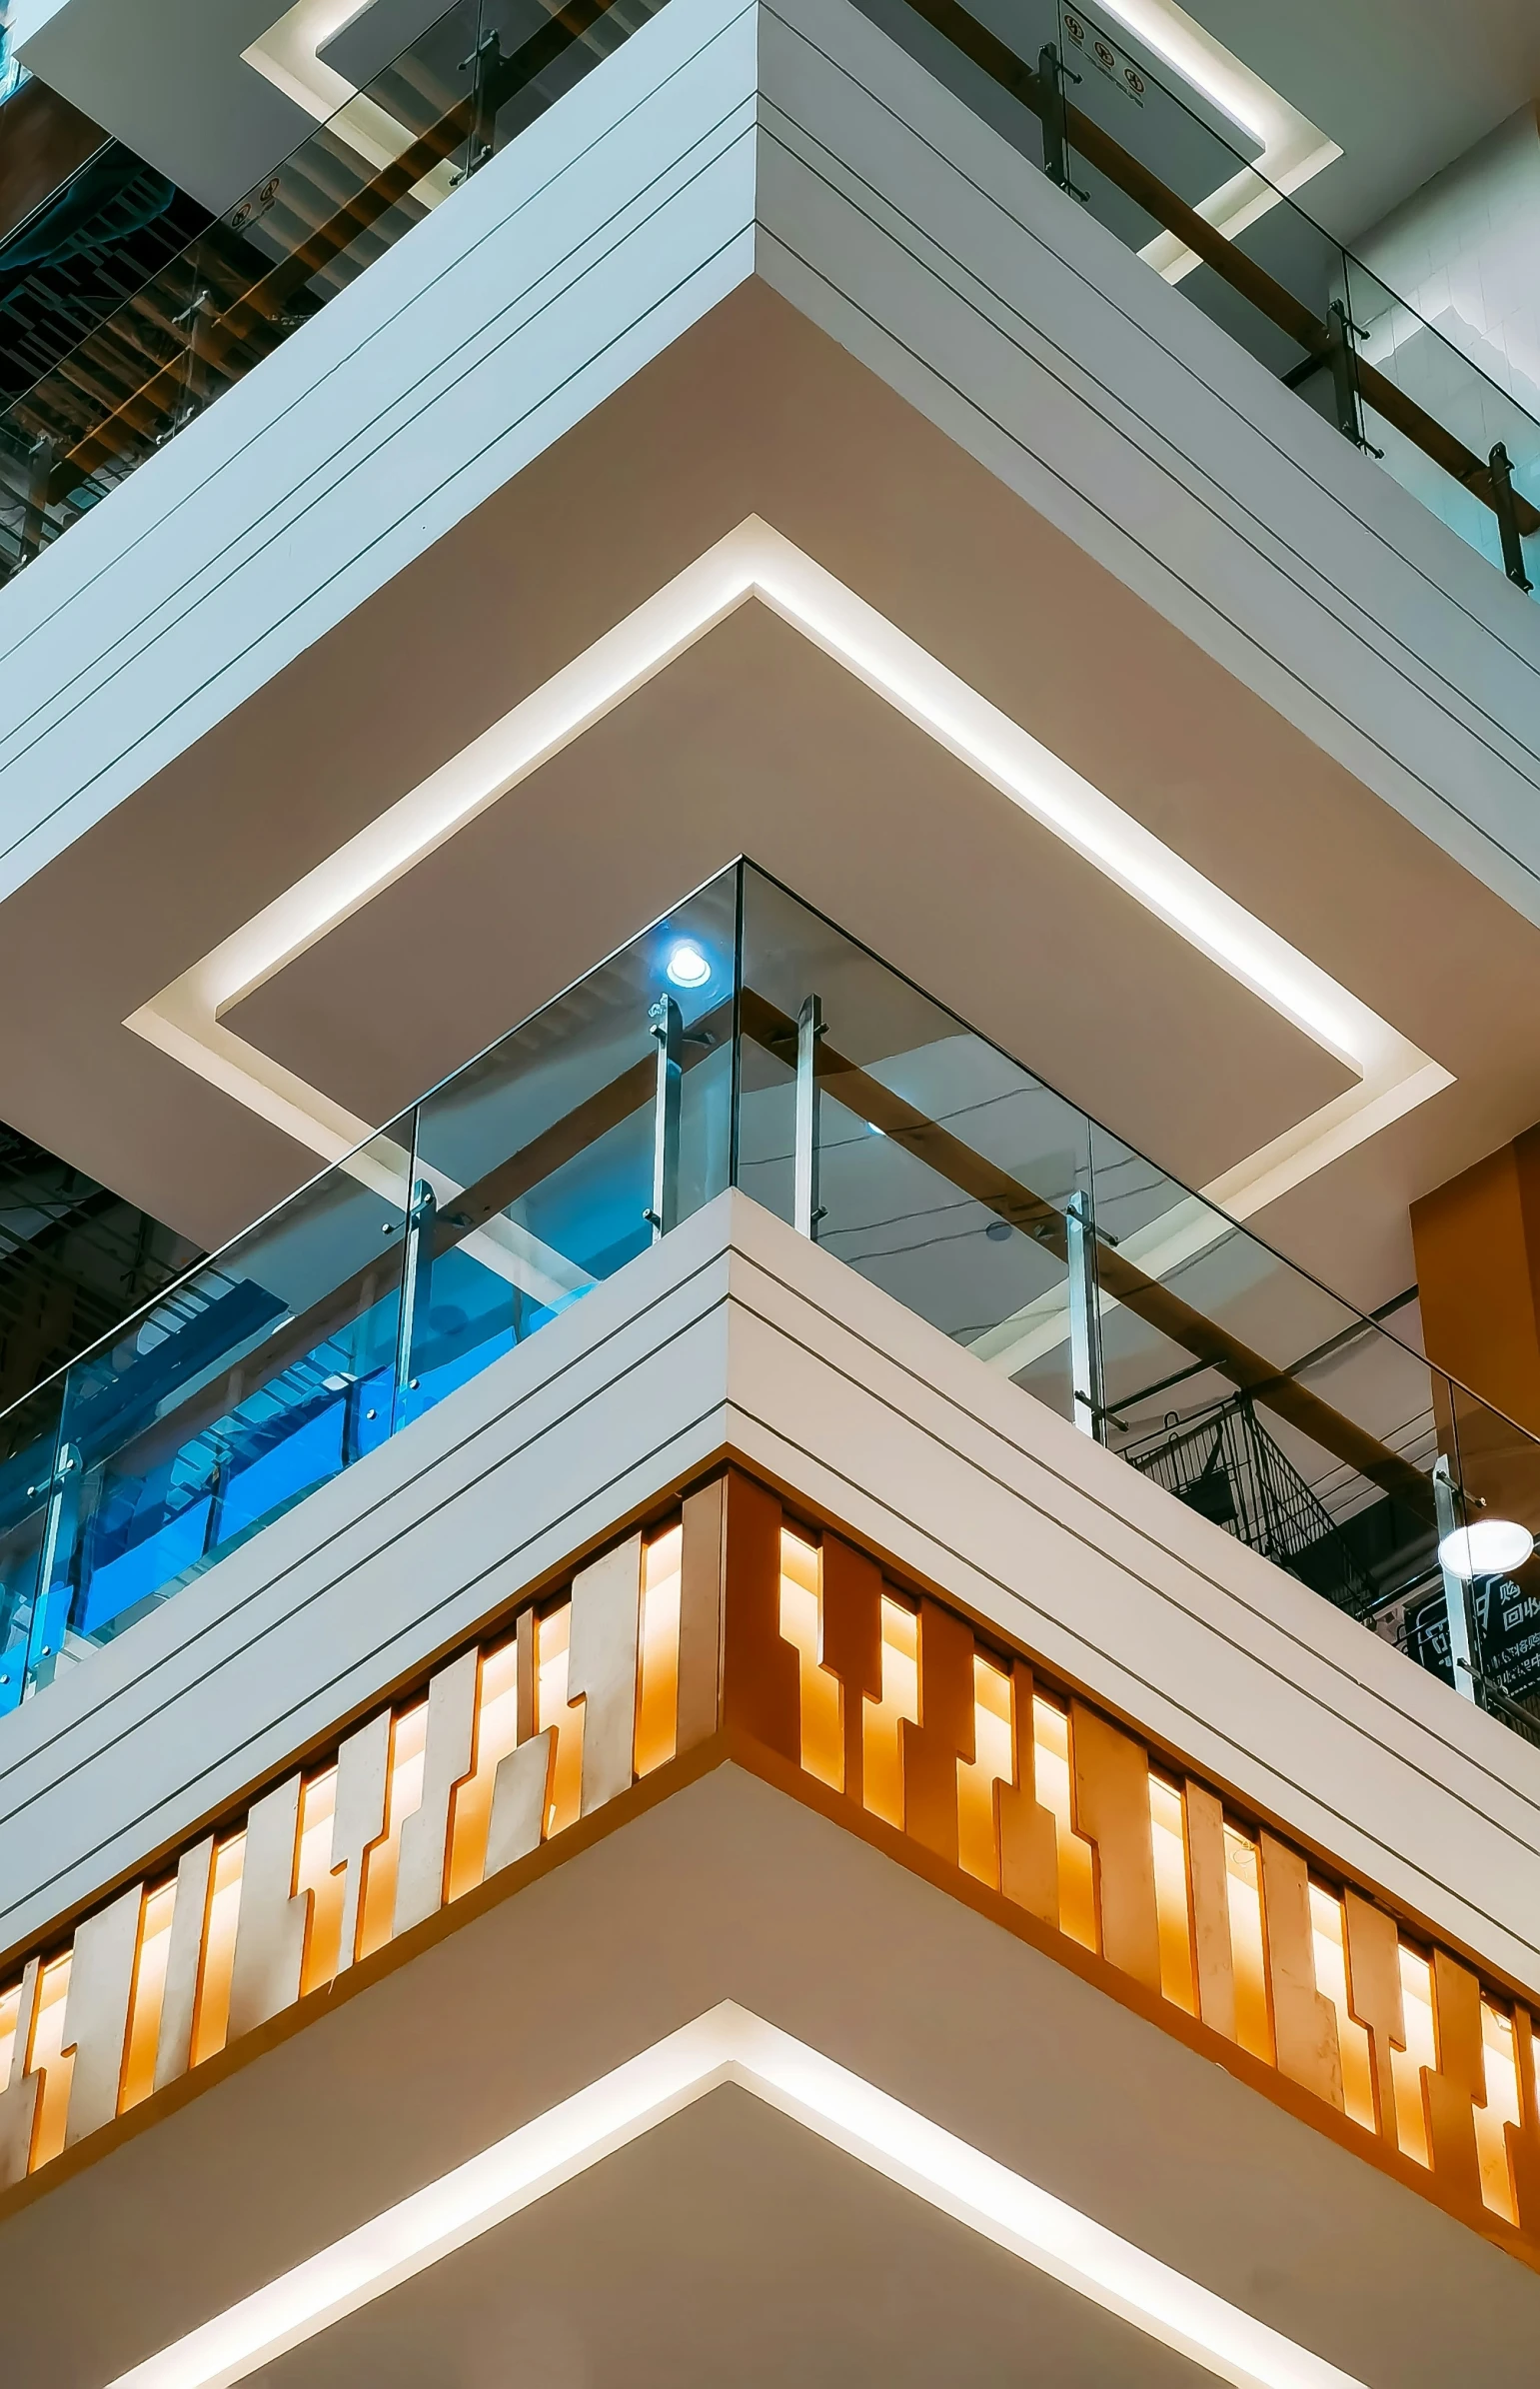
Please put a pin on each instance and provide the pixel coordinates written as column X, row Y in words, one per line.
column 484, row 64
column 1501, row 473
column 806, row 1210
column 1340, row 355
column 1052, row 72
column 34, row 517
column 1447, row 1508
column 1085, row 1318
column 669, row 1031
column 415, row 1291
column 59, row 1530
column 188, row 319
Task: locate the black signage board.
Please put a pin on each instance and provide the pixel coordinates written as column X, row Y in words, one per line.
column 1506, row 1617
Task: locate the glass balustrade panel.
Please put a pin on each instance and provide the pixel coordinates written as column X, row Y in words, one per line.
column 30, row 1503
column 543, row 1162
column 1141, row 151
column 944, row 1167
column 1479, row 380
column 1255, row 1396
column 414, row 127
column 248, row 1385
column 746, row 1038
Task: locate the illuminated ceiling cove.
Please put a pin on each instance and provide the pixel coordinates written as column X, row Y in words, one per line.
column 730, row 2045
column 185, row 1019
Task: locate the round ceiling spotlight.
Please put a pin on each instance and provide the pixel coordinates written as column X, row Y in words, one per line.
column 687, row 966
column 1491, row 1548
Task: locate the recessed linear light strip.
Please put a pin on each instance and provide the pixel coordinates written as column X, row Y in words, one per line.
column 755, row 561
column 1291, row 149
column 729, row 2045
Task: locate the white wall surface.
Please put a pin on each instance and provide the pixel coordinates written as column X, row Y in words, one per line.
column 734, row 1330
column 1465, row 252
column 799, row 142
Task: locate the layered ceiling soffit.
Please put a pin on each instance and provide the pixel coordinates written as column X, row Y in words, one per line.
column 733, row 1626
column 724, row 662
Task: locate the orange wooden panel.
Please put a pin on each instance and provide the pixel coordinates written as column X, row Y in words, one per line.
column 945, row 1732
column 1374, row 1996
column 1524, row 2136
column 1028, row 1833
column 1304, row 2022
column 1453, row 2094
column 1208, row 1886
column 761, row 1684
column 1109, row 1805
column 700, row 1586
column 851, row 1587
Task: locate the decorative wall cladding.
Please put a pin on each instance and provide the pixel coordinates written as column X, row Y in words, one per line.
column 789, row 1649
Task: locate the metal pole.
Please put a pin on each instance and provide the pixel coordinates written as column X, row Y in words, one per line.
column 1446, row 1510
column 58, row 1540
column 34, row 520
column 1501, row 471
column 415, row 1291
column 1085, row 1318
column 806, row 1210
column 668, row 1030
column 189, row 317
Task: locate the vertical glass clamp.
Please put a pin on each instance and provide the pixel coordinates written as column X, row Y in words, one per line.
column 669, row 1031
column 1447, row 1510
column 1085, row 1318
column 806, row 1210
column 1500, row 471
column 416, row 1290
column 50, row 1608
column 1055, row 113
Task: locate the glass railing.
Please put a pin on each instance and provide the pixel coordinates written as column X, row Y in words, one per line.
column 1055, row 80
column 407, row 138
column 1073, row 90
column 745, row 1040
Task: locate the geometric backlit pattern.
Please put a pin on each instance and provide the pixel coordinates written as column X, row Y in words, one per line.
column 728, row 1629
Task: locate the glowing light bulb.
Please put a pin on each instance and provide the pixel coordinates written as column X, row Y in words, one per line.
column 687, row 966
column 1488, row 1548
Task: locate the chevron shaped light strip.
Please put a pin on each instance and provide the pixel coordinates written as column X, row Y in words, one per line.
column 730, row 2045
column 755, row 562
